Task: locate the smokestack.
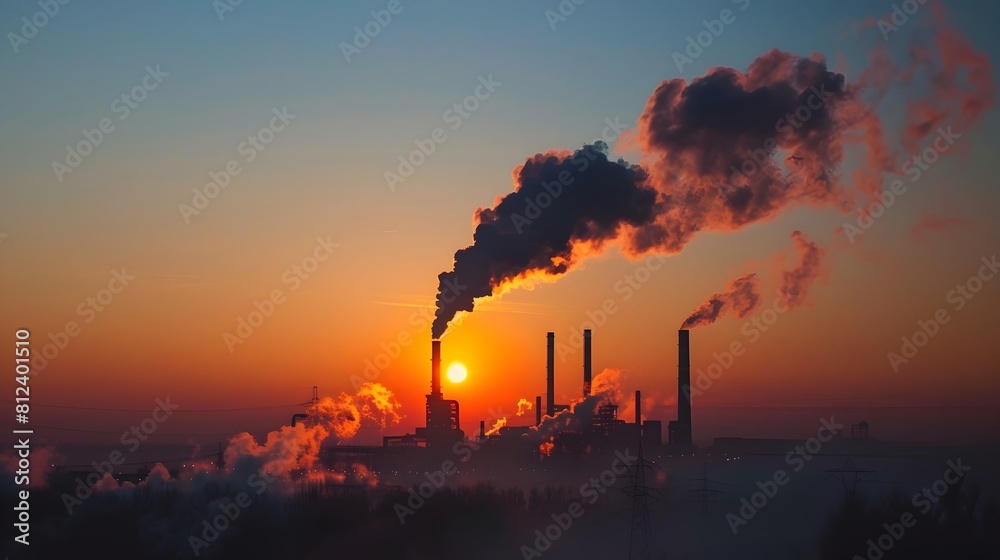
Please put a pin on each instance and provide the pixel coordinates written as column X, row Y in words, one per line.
column 482, row 429
column 436, row 367
column 538, row 410
column 684, row 384
column 586, row 363
column 638, row 407
column 550, row 380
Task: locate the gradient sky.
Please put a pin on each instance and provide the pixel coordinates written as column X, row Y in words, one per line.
column 323, row 177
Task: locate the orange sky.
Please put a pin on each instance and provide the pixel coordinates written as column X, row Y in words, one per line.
column 323, row 178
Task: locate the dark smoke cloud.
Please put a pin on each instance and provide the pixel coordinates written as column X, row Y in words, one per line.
column 795, row 283
column 741, row 297
column 563, row 206
column 729, row 149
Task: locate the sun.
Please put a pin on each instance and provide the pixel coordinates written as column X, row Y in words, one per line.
column 457, row 372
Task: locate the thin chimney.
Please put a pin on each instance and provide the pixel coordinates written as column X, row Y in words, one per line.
column 684, row 385
column 550, row 380
column 638, row 407
column 436, row 367
column 586, row 363
column 538, row 410
column 482, row 428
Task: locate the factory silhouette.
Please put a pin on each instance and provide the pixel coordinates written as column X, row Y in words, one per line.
column 442, row 428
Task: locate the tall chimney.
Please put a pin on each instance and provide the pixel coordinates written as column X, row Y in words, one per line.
column 586, row 363
column 638, row 407
column 482, row 429
column 684, row 384
column 550, row 379
column 538, row 410
column 436, row 367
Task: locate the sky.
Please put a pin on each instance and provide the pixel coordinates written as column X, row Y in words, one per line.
column 309, row 127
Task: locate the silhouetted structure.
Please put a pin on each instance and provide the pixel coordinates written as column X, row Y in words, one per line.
column 550, row 374
column 605, row 419
column 443, row 428
column 640, row 493
column 587, row 364
column 860, row 430
column 679, row 431
column 849, row 476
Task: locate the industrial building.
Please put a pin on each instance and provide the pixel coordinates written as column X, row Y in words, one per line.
column 598, row 427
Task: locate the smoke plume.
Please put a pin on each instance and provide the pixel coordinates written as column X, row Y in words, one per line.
column 523, row 406
column 545, row 227
column 741, row 297
column 579, row 416
column 795, row 283
column 729, row 149
column 496, row 426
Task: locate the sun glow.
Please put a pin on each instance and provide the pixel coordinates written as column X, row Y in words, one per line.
column 456, row 372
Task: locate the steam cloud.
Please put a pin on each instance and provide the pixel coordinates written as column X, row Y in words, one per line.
column 741, row 297
column 496, row 427
column 523, row 406
column 297, row 448
column 579, row 416
column 727, row 150
column 795, row 283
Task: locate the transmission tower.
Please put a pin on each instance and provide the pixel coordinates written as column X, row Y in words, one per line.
column 849, row 476
column 640, row 493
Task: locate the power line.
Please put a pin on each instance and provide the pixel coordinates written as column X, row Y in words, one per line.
column 815, row 408
column 36, row 426
column 177, row 410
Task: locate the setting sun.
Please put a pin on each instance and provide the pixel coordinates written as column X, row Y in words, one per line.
column 456, row 372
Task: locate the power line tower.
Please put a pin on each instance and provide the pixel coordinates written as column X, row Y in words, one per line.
column 639, row 492
column 849, row 476
column 701, row 490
